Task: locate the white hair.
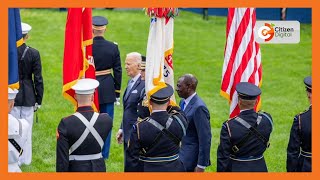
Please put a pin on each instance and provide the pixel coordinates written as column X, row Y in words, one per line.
column 136, row 56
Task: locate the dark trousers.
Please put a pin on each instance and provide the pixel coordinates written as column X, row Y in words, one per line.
column 109, row 109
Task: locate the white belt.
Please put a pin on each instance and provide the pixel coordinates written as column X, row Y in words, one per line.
column 247, row 159
column 85, row 157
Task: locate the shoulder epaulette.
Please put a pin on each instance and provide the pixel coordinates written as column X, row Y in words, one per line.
column 141, row 120
column 67, row 117
column 229, row 119
column 174, row 112
column 268, row 116
column 303, row 112
column 115, row 43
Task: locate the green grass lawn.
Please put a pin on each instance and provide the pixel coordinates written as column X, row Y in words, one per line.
column 198, row 49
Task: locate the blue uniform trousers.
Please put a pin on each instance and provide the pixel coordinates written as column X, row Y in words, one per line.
column 107, row 108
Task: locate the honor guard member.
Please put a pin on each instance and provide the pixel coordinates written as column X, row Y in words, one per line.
column 244, row 139
column 29, row 98
column 155, row 141
column 107, row 62
column 17, row 133
column 143, row 105
column 299, row 147
column 80, row 137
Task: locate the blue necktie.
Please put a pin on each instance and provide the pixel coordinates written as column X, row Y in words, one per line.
column 130, row 84
column 183, row 103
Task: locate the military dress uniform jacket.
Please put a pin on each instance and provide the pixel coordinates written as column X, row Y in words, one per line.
column 195, row 148
column 17, row 133
column 69, row 131
column 30, row 77
column 130, row 103
column 107, row 56
column 143, row 106
column 299, row 147
column 240, row 151
column 152, row 150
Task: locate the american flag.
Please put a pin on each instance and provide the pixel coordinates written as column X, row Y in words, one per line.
column 242, row 57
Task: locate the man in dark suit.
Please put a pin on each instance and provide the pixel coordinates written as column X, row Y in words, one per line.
column 195, row 148
column 299, row 147
column 106, row 59
column 155, row 141
column 131, row 97
column 244, row 138
column 80, row 137
column 30, row 95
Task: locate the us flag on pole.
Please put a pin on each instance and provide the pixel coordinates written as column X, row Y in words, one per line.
column 242, row 57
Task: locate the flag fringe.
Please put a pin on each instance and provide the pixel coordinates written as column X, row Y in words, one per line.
column 162, row 12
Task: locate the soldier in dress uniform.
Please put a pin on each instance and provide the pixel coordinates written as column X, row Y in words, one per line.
column 299, row 147
column 143, row 105
column 81, row 136
column 155, row 141
column 29, row 98
column 244, row 139
column 17, row 133
column 106, row 57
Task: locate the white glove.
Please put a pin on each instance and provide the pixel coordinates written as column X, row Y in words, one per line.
column 117, row 102
column 36, row 107
column 120, row 136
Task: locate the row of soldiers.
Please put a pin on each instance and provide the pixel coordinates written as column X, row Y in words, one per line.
column 169, row 137
column 158, row 143
column 155, row 141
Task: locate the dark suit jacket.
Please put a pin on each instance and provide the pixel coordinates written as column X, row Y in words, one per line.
column 30, row 77
column 130, row 103
column 107, row 56
column 195, row 148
